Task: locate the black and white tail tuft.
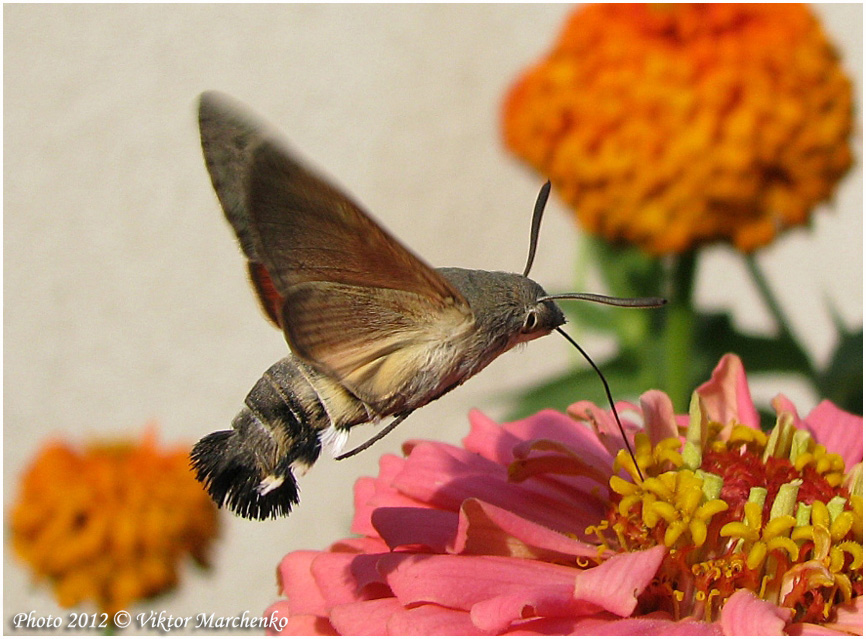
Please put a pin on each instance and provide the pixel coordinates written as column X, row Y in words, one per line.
column 230, row 472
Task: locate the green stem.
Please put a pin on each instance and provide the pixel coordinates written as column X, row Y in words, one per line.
column 679, row 331
column 776, row 311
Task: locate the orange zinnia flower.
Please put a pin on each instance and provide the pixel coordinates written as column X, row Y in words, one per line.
column 674, row 125
column 110, row 523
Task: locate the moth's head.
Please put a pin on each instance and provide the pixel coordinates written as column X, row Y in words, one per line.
column 542, row 314
column 537, row 316
column 508, row 308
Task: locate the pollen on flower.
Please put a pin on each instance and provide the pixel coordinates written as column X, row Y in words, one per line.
column 110, row 523
column 768, row 513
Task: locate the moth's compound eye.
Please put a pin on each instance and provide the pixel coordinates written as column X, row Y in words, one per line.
column 531, row 322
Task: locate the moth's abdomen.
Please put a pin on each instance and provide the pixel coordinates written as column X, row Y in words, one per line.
column 250, row 467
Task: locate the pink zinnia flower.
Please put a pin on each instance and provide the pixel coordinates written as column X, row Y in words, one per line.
column 544, row 526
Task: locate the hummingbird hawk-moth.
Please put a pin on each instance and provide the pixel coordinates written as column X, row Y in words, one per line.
column 373, row 330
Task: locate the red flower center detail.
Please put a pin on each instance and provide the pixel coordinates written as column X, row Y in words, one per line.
column 765, row 513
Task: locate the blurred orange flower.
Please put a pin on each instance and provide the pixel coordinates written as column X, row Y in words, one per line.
column 110, row 524
column 668, row 126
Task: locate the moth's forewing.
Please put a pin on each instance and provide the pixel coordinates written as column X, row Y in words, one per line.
column 357, row 303
column 349, row 297
column 228, row 137
column 308, row 231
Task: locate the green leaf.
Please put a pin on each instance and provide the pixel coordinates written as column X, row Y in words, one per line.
column 842, row 381
column 717, row 336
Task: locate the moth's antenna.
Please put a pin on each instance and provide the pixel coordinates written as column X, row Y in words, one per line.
column 607, row 392
column 632, row 302
column 540, row 203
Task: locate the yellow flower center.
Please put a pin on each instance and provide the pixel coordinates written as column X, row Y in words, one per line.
column 772, row 513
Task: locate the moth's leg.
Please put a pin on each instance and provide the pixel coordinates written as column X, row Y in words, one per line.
column 375, row 437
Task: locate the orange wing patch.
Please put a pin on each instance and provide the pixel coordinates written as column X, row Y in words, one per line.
column 270, row 299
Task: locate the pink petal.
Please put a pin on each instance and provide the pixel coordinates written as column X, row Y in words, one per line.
column 659, row 418
column 562, row 477
column 604, row 623
column 426, row 527
column 782, row 404
column 497, row 614
column 365, row 490
column 546, row 626
column 444, row 476
column 347, row 577
column 657, row 626
column 461, row 581
column 371, row 493
column 277, row 614
column 565, row 464
column 727, row 397
column 495, row 442
column 389, row 467
column 487, row 438
column 606, row 429
column 615, row 584
column 430, row 619
column 297, row 583
column 300, row 626
column 503, row 444
column 485, row 529
column 745, row 614
column 840, row 431
column 362, row 522
column 359, row 545
column 333, row 575
column 365, row 571
column 565, row 474
column 364, row 618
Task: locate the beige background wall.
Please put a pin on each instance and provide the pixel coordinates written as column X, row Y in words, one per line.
column 125, row 295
